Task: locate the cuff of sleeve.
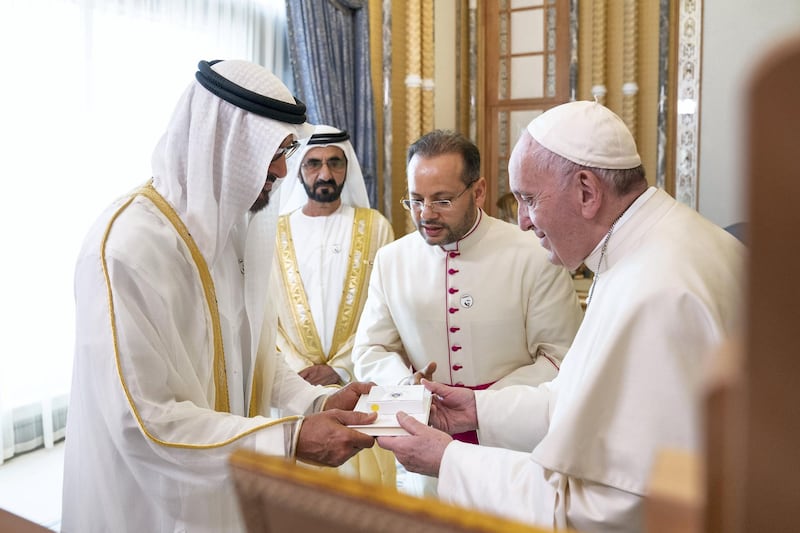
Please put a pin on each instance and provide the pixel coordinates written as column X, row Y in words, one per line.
column 344, row 375
column 291, row 436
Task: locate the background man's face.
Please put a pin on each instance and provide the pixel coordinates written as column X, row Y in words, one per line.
column 439, row 178
column 323, row 173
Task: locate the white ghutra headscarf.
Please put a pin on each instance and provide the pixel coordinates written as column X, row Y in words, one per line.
column 293, row 194
column 211, row 165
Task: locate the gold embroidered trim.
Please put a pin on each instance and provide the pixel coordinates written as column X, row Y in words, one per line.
column 208, row 287
column 356, row 281
column 354, row 286
column 221, row 402
column 296, row 294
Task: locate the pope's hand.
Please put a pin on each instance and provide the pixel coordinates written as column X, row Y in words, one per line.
column 452, row 409
column 325, row 438
column 422, row 450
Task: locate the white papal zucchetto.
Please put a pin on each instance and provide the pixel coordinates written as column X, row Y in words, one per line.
column 586, row 133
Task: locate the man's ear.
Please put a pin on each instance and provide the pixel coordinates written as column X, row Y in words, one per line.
column 591, row 192
column 480, row 191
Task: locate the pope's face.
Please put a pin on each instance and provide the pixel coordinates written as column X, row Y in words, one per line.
column 323, row 173
column 547, row 206
column 439, row 178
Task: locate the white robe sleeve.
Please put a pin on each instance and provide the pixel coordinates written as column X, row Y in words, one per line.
column 510, row 484
column 378, row 353
column 499, row 413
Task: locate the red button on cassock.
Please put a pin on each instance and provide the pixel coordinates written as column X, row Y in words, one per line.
column 453, row 310
column 451, row 290
column 452, row 271
column 454, row 329
column 457, row 367
column 455, row 347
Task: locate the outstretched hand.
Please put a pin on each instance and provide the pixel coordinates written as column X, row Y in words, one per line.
column 325, row 438
column 422, row 450
column 346, row 397
column 452, row 409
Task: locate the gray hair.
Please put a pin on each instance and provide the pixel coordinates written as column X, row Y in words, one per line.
column 439, row 142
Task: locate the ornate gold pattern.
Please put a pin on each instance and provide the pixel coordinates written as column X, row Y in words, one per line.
column 630, row 64
column 354, row 286
column 599, row 89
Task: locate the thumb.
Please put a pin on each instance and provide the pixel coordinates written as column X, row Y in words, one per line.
column 409, row 423
column 350, row 418
column 434, row 387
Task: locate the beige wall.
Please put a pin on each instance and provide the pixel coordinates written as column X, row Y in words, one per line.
column 736, row 33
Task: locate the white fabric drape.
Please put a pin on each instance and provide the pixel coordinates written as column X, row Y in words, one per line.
column 88, row 87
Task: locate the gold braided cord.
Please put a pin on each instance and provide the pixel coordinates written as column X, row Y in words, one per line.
column 413, row 70
column 599, row 50
column 630, row 64
column 426, row 119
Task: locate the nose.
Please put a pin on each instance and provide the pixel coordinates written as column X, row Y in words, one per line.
column 523, row 219
column 324, row 171
column 431, row 210
column 278, row 167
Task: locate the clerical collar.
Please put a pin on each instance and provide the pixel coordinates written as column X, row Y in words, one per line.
column 246, row 99
column 450, row 246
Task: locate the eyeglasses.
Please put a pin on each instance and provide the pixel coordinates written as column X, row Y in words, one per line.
column 335, row 164
column 437, row 206
column 286, row 151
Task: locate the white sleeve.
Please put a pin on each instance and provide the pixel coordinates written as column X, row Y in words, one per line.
column 512, row 485
column 499, row 413
column 378, row 353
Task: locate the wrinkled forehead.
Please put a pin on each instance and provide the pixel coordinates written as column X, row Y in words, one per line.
column 522, row 169
column 324, row 152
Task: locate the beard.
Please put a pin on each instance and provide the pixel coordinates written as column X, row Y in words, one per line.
column 263, row 197
column 446, row 233
column 324, row 192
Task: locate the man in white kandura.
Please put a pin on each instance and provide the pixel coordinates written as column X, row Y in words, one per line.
column 468, row 294
column 665, row 295
column 326, row 244
column 175, row 363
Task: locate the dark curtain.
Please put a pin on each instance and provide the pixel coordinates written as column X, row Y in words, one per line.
column 329, row 52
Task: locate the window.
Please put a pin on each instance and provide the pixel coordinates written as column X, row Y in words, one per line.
column 88, row 87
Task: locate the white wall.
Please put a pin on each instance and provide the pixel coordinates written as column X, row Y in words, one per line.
column 736, row 34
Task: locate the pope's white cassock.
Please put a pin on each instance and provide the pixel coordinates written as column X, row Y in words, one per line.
column 175, row 362
column 320, row 274
column 630, row 385
column 489, row 310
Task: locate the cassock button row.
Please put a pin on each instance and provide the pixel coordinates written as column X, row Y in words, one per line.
column 452, row 290
column 452, row 271
column 454, row 329
column 452, row 310
column 455, row 347
column 457, row 367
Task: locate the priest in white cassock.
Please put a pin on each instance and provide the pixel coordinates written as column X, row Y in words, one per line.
column 327, row 238
column 577, row 452
column 175, row 363
column 467, row 293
